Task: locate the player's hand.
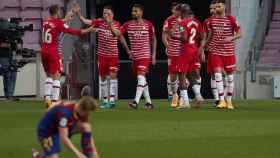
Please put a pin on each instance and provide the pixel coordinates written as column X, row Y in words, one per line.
column 69, row 16
column 229, row 39
column 109, row 20
column 202, row 54
column 154, row 60
column 93, row 29
column 202, row 57
column 129, row 54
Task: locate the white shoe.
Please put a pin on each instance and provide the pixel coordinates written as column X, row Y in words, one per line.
column 184, row 105
column 198, row 101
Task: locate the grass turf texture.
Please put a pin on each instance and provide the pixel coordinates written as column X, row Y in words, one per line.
column 251, row 131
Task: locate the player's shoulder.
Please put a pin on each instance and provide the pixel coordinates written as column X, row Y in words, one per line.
column 98, row 20
column 231, row 18
column 116, row 22
column 129, row 22
column 67, row 108
column 195, row 20
column 148, row 22
column 170, row 18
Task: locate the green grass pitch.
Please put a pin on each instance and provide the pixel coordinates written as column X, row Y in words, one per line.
column 250, row 131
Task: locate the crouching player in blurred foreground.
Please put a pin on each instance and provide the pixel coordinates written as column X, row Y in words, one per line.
column 61, row 122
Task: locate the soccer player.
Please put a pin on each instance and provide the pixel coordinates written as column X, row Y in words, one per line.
column 207, row 35
column 197, row 36
column 108, row 31
column 52, row 27
column 173, row 48
column 187, row 54
column 224, row 31
column 143, row 41
column 61, row 122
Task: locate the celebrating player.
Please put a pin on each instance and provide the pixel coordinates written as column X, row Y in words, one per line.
column 141, row 35
column 52, row 27
column 173, row 48
column 224, row 31
column 197, row 36
column 207, row 35
column 108, row 31
column 187, row 54
column 60, row 123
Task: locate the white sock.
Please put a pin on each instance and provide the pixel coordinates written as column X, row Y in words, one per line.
column 214, row 89
column 113, row 89
column 146, row 94
column 56, row 90
column 230, row 86
column 225, row 80
column 196, row 88
column 174, row 87
column 140, row 87
column 116, row 90
column 104, row 90
column 220, row 85
column 48, row 86
column 184, row 95
column 169, row 86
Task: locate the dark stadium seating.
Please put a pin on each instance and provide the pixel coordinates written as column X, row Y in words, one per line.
column 32, row 12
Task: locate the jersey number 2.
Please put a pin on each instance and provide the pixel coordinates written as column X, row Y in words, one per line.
column 192, row 36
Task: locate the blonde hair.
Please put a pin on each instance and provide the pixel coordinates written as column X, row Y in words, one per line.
column 87, row 103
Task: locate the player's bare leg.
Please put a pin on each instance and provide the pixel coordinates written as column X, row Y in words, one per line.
column 113, row 89
column 197, row 87
column 183, row 92
column 103, row 84
column 220, row 87
column 230, row 90
column 174, row 89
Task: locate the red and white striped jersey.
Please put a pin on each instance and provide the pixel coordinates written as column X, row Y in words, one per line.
column 107, row 42
column 175, row 46
column 140, row 35
column 221, row 28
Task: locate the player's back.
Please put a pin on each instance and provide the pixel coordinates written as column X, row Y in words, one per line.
column 51, row 32
column 196, row 30
column 50, row 122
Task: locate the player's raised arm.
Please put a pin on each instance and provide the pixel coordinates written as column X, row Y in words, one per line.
column 77, row 9
column 64, row 136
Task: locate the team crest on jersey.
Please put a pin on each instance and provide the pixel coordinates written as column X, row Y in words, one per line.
column 181, row 29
